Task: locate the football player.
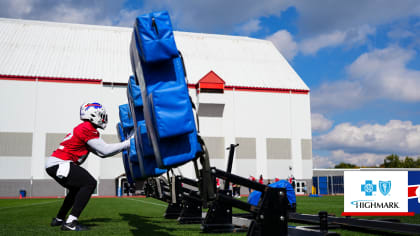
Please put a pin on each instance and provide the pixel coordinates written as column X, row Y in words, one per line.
column 64, row 163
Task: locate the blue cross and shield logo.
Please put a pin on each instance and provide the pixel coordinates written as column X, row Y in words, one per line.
column 368, row 188
column 385, row 187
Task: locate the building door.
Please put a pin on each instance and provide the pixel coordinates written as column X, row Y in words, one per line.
column 300, row 187
column 323, row 185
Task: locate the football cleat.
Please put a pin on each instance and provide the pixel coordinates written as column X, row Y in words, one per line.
column 73, row 226
column 56, row 222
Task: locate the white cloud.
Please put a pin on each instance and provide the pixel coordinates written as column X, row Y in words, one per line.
column 338, row 95
column 127, row 17
column 400, row 33
column 70, row 11
column 284, row 42
column 349, row 37
column 321, row 23
column 64, row 13
column 320, row 123
column 325, row 16
column 217, row 16
column 338, row 156
column 384, row 71
column 400, row 137
column 315, row 17
column 312, row 45
column 359, row 35
column 323, row 162
column 380, row 74
column 250, row 27
column 20, row 7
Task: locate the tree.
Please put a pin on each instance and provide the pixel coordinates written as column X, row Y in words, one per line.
column 392, row 161
column 343, row 165
column 409, row 163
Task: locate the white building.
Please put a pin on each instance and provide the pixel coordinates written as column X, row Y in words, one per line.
column 246, row 91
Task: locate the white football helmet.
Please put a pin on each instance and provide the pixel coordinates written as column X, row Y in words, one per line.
column 95, row 113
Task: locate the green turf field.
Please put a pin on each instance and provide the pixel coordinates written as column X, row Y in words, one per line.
column 128, row 216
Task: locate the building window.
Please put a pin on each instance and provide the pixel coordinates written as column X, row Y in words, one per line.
column 306, row 145
column 215, row 146
column 279, row 148
column 52, row 142
column 211, row 110
column 247, row 148
column 15, row 144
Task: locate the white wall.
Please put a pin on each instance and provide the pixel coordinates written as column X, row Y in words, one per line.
column 17, row 114
column 43, row 107
column 261, row 115
column 300, row 129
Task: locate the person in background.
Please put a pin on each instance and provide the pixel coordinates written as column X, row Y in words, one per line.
column 238, row 191
column 294, row 183
column 234, row 186
column 252, row 178
column 64, row 163
column 261, row 180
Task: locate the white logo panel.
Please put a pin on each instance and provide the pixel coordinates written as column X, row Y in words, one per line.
column 375, row 191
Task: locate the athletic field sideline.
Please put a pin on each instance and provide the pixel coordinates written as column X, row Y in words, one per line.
column 131, row 216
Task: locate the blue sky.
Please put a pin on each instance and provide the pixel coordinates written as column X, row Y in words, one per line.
column 361, row 59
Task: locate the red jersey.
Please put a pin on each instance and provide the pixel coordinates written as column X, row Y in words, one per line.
column 74, row 146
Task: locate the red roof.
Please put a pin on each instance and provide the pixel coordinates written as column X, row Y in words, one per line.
column 212, row 78
column 211, row 81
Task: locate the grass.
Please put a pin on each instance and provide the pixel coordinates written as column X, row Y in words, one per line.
column 128, row 216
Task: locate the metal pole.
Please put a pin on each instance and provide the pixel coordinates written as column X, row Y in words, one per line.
column 323, row 221
column 230, row 162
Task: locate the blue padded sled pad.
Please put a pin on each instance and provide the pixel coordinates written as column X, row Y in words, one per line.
column 141, row 151
column 125, row 156
column 172, row 111
column 156, row 39
column 146, row 167
column 167, row 107
column 133, row 91
column 136, row 107
column 126, row 120
column 255, row 196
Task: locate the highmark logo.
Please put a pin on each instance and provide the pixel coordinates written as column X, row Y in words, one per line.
column 368, row 188
column 377, row 205
column 385, row 187
column 380, row 192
